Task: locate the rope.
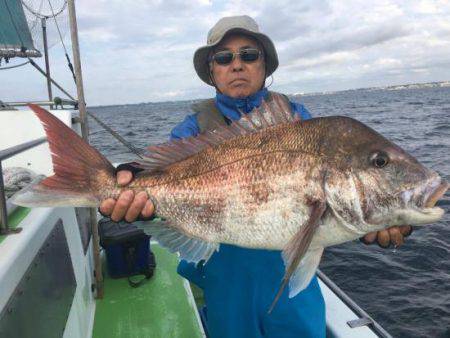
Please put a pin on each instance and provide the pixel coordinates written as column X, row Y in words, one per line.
column 134, row 150
column 15, row 66
column 17, row 178
column 69, row 63
column 57, row 26
column 35, row 65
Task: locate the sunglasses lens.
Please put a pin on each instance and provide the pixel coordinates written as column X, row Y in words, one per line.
column 223, row 58
column 246, row 55
column 249, row 54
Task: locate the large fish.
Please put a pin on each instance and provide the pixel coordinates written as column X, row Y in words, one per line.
column 267, row 181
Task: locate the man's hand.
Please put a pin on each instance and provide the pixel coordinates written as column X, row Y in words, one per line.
column 128, row 206
column 394, row 235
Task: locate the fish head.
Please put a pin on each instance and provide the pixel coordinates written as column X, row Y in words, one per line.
column 399, row 190
column 389, row 186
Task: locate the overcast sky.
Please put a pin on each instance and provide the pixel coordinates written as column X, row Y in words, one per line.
column 139, row 50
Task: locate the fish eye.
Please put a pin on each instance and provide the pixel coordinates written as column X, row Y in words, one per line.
column 379, row 159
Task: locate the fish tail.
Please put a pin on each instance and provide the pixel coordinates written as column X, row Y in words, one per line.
column 80, row 171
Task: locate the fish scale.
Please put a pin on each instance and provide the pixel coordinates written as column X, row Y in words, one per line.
column 217, row 194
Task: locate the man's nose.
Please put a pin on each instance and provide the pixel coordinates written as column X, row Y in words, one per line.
column 236, row 63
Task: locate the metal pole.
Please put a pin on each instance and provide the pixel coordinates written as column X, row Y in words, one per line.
column 5, row 154
column 3, row 211
column 55, row 101
column 47, row 63
column 9, row 152
column 35, row 65
column 77, row 64
column 4, row 226
column 85, row 133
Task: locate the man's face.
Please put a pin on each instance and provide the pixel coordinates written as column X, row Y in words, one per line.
column 239, row 78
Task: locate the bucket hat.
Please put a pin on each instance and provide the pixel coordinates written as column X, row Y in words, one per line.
column 233, row 24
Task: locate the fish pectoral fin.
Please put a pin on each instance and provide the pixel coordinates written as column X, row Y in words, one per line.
column 190, row 248
column 298, row 246
column 305, row 271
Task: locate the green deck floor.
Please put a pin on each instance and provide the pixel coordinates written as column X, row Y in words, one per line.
column 15, row 218
column 159, row 308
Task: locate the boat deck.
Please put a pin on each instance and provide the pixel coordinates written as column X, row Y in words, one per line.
column 161, row 307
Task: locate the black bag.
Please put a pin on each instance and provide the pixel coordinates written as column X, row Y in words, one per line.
column 127, row 250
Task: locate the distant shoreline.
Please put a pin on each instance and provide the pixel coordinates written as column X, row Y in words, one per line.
column 440, row 84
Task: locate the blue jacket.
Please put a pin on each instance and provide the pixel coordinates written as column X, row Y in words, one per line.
column 240, row 284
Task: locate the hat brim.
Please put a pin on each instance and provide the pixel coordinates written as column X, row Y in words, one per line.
column 201, row 55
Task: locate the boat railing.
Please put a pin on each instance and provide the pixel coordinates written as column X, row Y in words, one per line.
column 5, row 154
column 57, row 101
column 364, row 318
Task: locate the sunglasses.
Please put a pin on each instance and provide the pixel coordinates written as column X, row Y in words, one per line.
column 246, row 55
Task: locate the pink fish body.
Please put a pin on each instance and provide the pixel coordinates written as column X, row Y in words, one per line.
column 267, row 181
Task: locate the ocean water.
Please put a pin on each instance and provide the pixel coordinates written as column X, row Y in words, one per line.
column 407, row 290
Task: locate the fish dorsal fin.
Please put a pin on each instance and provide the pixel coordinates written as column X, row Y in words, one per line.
column 272, row 112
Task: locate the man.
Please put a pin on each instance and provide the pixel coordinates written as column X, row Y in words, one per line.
column 239, row 284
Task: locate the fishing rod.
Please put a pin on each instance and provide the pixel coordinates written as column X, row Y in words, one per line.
column 132, row 148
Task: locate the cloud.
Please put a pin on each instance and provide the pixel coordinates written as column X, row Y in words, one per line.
column 140, row 51
column 344, row 40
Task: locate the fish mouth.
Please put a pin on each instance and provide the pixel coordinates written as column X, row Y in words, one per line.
column 436, row 194
column 420, row 202
column 427, row 194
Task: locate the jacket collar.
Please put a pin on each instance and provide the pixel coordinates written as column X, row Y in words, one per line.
column 232, row 108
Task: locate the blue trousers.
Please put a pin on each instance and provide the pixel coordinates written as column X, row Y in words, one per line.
column 239, row 286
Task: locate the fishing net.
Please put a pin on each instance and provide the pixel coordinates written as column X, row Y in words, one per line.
column 51, row 11
column 29, row 30
column 17, row 178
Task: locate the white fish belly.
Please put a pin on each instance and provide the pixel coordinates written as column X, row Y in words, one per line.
column 267, row 224
column 333, row 232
